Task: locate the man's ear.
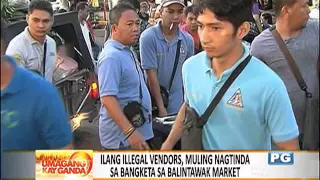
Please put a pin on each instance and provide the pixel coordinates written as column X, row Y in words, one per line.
column 243, row 30
column 27, row 17
column 114, row 28
column 285, row 10
column 160, row 12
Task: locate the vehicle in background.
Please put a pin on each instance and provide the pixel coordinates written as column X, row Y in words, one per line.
column 314, row 14
column 314, row 9
column 79, row 90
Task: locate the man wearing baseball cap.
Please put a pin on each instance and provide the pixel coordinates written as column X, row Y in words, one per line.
column 160, row 46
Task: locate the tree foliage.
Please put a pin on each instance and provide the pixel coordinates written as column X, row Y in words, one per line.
column 7, row 10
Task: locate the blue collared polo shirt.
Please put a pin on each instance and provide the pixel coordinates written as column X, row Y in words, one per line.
column 157, row 53
column 255, row 108
column 118, row 76
column 33, row 115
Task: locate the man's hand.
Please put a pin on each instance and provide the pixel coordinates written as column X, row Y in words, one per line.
column 176, row 130
column 166, row 146
column 137, row 141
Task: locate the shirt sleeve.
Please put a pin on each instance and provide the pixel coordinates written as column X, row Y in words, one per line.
column 109, row 72
column 53, row 119
column 255, row 50
column 148, row 52
column 184, row 81
column 280, row 117
column 15, row 51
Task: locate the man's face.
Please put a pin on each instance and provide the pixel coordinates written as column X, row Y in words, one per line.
column 144, row 6
column 172, row 14
column 128, row 28
column 191, row 21
column 84, row 13
column 218, row 38
column 39, row 22
column 298, row 13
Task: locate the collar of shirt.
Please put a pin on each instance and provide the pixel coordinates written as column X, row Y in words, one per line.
column 15, row 85
column 207, row 63
column 116, row 44
column 30, row 38
column 160, row 35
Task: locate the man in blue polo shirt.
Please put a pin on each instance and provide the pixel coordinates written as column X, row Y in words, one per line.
column 32, row 113
column 255, row 108
column 158, row 47
column 121, row 82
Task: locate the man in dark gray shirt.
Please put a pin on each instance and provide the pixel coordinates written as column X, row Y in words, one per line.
column 301, row 36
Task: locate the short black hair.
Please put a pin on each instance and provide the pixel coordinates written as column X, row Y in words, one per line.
column 189, row 9
column 43, row 5
column 134, row 3
column 116, row 12
column 279, row 4
column 234, row 11
column 81, row 6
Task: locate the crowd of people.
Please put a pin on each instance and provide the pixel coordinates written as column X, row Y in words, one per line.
column 263, row 78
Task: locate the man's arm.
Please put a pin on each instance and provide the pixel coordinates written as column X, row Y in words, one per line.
column 155, row 91
column 176, row 131
column 289, row 145
column 281, row 120
column 149, row 62
column 116, row 113
column 136, row 140
column 109, row 79
column 14, row 50
column 256, row 49
column 177, row 128
column 53, row 120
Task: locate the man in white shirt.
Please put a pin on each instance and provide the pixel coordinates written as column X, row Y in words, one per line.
column 83, row 13
column 30, row 46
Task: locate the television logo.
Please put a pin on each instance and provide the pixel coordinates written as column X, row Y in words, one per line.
column 280, row 158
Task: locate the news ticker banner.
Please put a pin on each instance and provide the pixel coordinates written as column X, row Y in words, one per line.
column 108, row 165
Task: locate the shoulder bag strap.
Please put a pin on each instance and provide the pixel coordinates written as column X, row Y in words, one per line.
column 137, row 69
column 205, row 116
column 293, row 66
column 175, row 64
column 44, row 59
